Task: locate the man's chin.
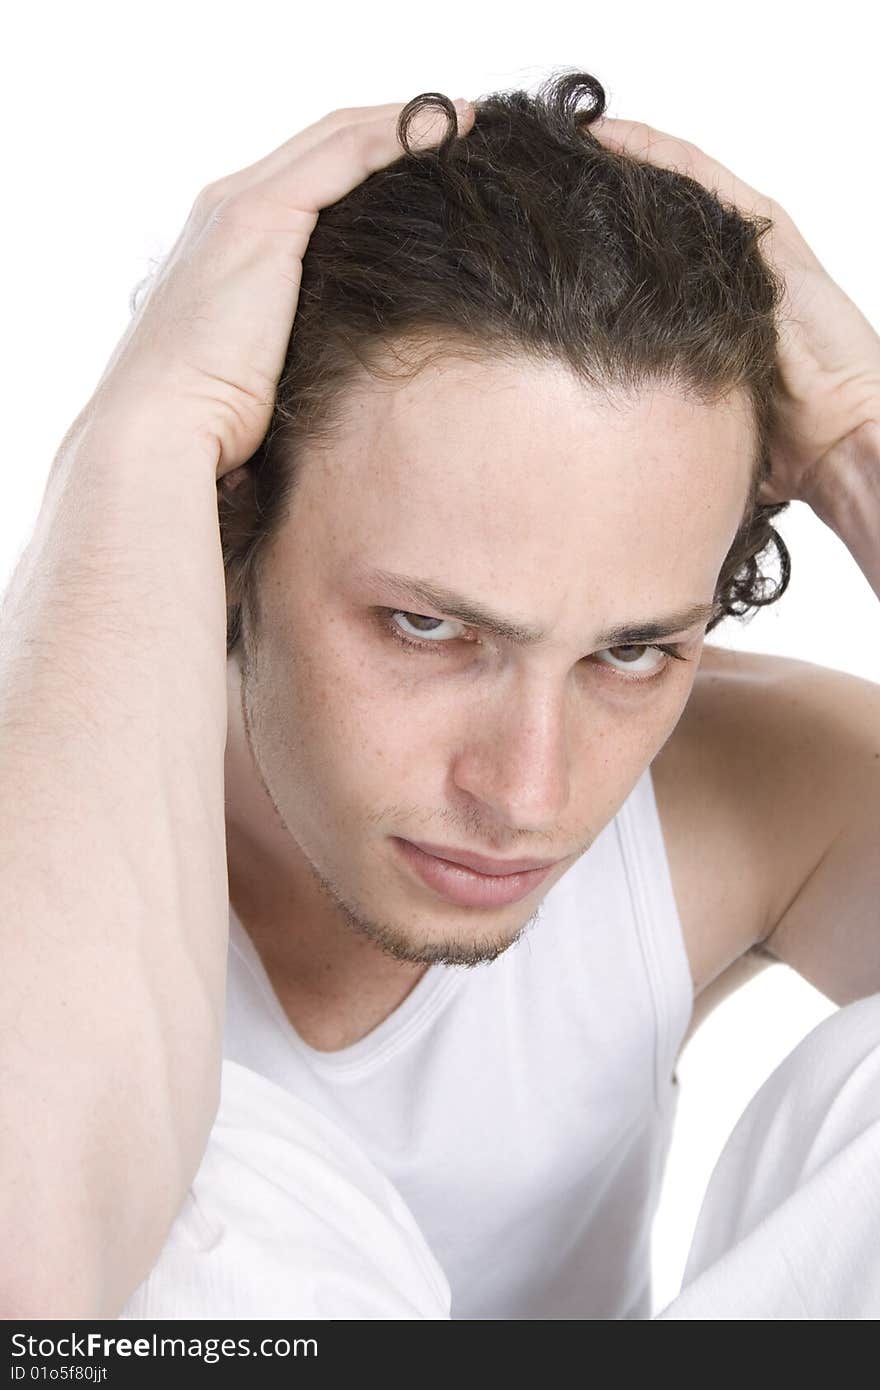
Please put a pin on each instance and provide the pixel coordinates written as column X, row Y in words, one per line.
column 470, row 941
column 461, row 948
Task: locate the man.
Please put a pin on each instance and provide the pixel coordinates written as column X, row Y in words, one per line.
column 587, row 532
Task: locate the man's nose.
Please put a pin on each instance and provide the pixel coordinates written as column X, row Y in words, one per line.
column 515, row 757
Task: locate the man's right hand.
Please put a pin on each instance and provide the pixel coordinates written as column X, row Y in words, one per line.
column 208, row 343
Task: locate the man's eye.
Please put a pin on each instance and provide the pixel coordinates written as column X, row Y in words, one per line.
column 633, row 658
column 659, row 655
column 415, row 622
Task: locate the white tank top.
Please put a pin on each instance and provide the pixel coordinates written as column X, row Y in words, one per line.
column 523, row 1108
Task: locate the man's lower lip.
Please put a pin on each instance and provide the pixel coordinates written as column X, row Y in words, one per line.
column 466, row 887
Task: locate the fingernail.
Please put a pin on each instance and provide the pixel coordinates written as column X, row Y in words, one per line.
column 461, row 105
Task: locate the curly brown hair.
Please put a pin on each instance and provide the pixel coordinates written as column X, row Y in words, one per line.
column 526, row 237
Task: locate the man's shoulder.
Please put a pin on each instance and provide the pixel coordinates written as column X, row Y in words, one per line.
column 756, row 715
column 755, row 721
column 746, row 787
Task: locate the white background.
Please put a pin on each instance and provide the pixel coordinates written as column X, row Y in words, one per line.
column 114, row 117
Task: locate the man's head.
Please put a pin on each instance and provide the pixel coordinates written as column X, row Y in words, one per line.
column 533, row 497
column 536, row 375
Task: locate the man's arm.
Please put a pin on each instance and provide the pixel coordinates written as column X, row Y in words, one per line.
column 826, row 925
column 113, row 874
column 848, row 496
column 113, row 889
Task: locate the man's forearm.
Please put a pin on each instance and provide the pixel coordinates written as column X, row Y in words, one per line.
column 850, row 500
column 113, row 888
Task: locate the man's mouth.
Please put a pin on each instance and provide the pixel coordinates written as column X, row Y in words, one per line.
column 469, row 887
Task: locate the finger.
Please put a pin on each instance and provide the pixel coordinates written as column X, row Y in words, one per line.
column 784, row 245
column 278, row 160
column 305, row 140
column 672, row 152
column 348, row 153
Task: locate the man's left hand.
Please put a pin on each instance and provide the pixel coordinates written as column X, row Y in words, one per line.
column 828, row 353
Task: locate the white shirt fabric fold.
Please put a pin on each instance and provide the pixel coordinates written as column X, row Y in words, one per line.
column 789, row 1227
column 288, row 1218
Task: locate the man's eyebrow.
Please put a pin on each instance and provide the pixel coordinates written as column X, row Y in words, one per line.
column 467, row 610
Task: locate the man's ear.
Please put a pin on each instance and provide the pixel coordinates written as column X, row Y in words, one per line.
column 231, row 482
column 767, row 494
column 237, row 511
column 236, row 497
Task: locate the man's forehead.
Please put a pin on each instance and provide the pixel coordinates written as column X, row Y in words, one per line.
column 466, row 413
column 415, row 379
column 460, row 499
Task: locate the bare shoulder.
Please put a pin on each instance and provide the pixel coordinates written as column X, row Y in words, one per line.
column 770, row 758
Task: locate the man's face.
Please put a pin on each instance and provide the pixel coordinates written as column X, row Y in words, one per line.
column 514, row 487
